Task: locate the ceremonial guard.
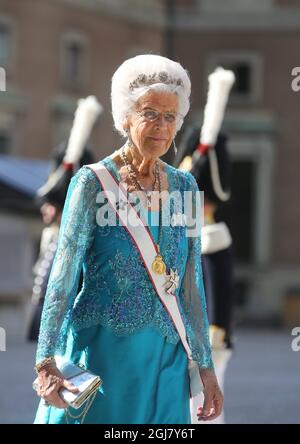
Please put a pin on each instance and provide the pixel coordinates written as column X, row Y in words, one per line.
column 204, row 153
column 66, row 159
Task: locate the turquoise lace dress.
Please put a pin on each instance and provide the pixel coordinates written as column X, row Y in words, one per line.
column 116, row 325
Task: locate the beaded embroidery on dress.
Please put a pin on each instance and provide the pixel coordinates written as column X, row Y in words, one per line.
column 117, row 292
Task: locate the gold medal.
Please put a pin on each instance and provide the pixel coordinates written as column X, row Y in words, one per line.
column 158, row 265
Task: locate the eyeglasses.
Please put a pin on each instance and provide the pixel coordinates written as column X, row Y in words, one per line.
column 152, row 115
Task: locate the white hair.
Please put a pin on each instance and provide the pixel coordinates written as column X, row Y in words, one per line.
column 124, row 95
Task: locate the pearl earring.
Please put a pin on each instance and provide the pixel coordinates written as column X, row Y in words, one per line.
column 129, row 139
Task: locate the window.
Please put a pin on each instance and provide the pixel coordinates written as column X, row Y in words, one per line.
column 74, row 60
column 242, row 73
column 2, row 79
column 4, row 143
column 241, row 203
column 230, row 6
column 247, row 68
column 5, row 36
column 74, row 55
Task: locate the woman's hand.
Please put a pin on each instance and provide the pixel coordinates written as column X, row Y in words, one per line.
column 213, row 397
column 50, row 381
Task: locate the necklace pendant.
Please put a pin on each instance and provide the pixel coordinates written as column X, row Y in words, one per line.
column 158, row 265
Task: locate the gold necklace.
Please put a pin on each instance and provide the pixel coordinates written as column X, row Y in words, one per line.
column 134, row 179
column 158, row 265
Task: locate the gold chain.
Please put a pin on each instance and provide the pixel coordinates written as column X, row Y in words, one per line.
column 134, row 179
column 83, row 414
column 158, row 265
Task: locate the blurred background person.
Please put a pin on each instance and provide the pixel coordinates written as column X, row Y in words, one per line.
column 67, row 158
column 51, row 200
column 204, row 153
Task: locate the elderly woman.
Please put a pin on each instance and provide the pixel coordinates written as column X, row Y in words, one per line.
column 118, row 326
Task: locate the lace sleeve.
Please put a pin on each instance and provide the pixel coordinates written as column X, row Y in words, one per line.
column 193, row 294
column 75, row 237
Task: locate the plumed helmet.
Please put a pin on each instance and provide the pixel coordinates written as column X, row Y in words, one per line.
column 70, row 155
column 55, row 189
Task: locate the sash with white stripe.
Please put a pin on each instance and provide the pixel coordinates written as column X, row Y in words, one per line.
column 142, row 237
